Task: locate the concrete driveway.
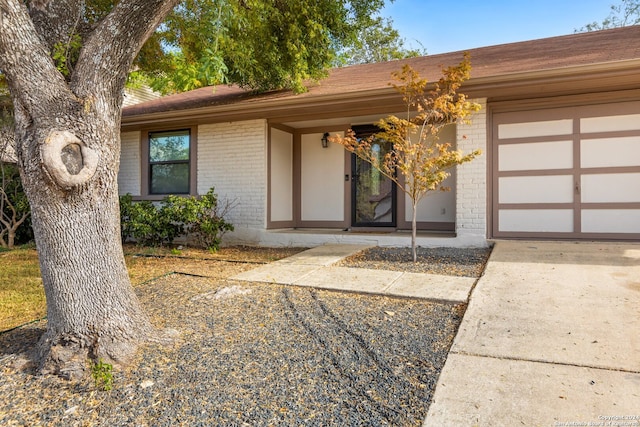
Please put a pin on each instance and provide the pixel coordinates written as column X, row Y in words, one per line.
column 550, row 338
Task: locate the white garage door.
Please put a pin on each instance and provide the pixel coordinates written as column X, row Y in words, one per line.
column 567, row 172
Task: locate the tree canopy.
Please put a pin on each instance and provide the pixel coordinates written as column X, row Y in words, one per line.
column 257, row 44
column 265, row 45
column 621, row 15
column 377, row 41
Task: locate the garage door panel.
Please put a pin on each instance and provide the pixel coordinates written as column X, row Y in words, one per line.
column 610, row 220
column 536, row 156
column 536, row 189
column 532, row 129
column 536, row 220
column 610, row 152
column 610, row 188
column 610, row 123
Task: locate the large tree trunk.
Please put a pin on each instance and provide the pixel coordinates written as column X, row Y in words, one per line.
column 68, row 148
column 92, row 310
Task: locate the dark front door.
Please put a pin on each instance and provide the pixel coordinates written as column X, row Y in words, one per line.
column 373, row 194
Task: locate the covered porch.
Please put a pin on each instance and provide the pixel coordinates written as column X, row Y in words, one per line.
column 318, row 193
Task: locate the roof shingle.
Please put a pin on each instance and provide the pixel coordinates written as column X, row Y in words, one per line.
column 573, row 50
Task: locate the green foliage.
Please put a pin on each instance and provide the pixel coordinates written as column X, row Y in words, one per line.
column 258, row 44
column 376, row 42
column 102, row 374
column 126, row 217
column 147, row 224
column 66, row 53
column 209, row 70
column 15, row 212
column 137, row 79
column 621, row 15
column 201, row 218
column 154, row 225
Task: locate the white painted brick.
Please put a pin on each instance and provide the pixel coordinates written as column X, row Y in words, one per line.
column 129, row 172
column 471, row 185
column 232, row 159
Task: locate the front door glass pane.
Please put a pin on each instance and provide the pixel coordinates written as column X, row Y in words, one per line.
column 373, row 193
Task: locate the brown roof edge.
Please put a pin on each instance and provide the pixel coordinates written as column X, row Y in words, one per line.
column 269, row 108
column 558, row 81
column 617, row 75
column 583, row 56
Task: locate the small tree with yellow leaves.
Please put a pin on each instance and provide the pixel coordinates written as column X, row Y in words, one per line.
column 418, row 162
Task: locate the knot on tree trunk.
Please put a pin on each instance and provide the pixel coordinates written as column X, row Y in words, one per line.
column 68, row 160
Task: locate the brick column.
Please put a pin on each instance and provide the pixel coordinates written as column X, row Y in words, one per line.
column 471, row 182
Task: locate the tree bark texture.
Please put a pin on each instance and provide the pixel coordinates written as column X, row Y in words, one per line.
column 91, row 308
column 68, row 149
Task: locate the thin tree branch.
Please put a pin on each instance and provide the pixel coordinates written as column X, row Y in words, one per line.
column 108, row 52
column 22, row 48
column 57, row 20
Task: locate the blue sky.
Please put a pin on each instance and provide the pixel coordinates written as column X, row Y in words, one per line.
column 447, row 26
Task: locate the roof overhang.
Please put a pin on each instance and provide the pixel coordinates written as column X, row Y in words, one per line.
column 276, row 110
column 591, row 78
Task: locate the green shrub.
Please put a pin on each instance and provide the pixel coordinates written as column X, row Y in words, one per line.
column 198, row 217
column 202, row 218
column 147, row 224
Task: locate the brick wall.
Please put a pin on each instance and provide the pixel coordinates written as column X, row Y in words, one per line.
column 471, row 183
column 129, row 172
column 232, row 158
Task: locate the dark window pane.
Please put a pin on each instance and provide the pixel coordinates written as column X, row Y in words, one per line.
column 169, row 146
column 170, row 178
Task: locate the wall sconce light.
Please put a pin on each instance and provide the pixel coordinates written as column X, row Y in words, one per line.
column 325, row 140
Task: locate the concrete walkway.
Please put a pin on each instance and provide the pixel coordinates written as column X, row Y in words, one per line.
column 550, row 338
column 313, row 268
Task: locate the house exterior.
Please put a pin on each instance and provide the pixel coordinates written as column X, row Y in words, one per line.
column 136, row 95
column 559, row 129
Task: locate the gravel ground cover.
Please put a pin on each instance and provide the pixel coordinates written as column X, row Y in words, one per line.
column 249, row 354
column 467, row 262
